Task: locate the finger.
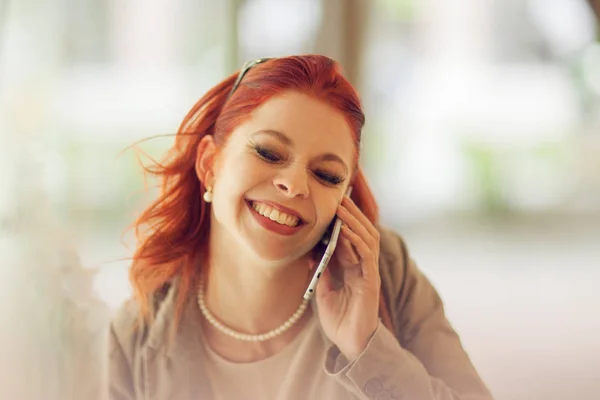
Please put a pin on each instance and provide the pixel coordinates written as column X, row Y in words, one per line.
column 347, row 261
column 369, row 264
column 357, row 212
column 347, row 253
column 356, row 226
column 325, row 284
column 312, row 263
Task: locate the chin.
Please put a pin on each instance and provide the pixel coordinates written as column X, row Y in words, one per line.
column 275, row 252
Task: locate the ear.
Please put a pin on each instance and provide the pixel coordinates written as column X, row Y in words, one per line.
column 205, row 159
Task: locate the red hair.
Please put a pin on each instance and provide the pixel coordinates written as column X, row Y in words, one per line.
column 169, row 240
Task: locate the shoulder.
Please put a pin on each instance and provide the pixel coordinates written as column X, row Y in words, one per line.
column 398, row 269
column 128, row 331
column 391, row 244
column 414, row 302
column 394, row 260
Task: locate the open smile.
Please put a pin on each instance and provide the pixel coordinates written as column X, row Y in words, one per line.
column 275, row 218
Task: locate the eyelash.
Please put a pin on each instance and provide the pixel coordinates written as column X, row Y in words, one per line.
column 267, row 155
column 272, row 158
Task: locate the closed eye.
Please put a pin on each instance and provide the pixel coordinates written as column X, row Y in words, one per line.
column 267, row 155
column 274, row 158
column 331, row 179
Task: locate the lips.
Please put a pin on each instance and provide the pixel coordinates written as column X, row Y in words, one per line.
column 279, row 207
column 285, row 221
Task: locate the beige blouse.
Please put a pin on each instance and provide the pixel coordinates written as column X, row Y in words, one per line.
column 420, row 358
column 296, row 372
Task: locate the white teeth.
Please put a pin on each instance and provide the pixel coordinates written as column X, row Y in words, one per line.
column 282, row 218
column 275, row 215
column 289, row 220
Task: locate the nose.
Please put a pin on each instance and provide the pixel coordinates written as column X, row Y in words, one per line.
column 292, row 182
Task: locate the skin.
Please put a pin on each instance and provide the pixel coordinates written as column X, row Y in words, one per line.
column 256, row 278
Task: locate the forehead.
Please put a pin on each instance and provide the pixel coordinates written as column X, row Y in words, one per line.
column 310, row 123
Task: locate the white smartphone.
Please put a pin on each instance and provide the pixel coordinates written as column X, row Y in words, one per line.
column 331, row 244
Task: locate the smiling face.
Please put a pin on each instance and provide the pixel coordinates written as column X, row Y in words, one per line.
column 281, row 175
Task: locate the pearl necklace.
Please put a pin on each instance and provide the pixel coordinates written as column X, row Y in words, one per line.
column 244, row 336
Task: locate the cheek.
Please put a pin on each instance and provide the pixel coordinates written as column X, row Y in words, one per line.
column 240, row 176
column 250, row 171
column 327, row 207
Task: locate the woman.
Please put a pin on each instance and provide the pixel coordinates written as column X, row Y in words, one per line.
column 258, row 171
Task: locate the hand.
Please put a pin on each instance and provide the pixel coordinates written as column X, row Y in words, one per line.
column 347, row 294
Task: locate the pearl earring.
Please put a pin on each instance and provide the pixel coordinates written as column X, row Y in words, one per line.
column 208, row 196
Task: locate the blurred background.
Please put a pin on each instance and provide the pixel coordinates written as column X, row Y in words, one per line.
column 482, row 144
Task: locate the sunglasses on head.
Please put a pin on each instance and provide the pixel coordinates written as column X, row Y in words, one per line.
column 245, row 68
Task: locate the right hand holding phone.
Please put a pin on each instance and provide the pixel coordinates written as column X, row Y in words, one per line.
column 348, row 292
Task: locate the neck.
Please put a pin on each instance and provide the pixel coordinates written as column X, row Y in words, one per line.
column 251, row 295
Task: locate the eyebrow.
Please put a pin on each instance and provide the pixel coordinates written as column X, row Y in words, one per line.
column 287, row 141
